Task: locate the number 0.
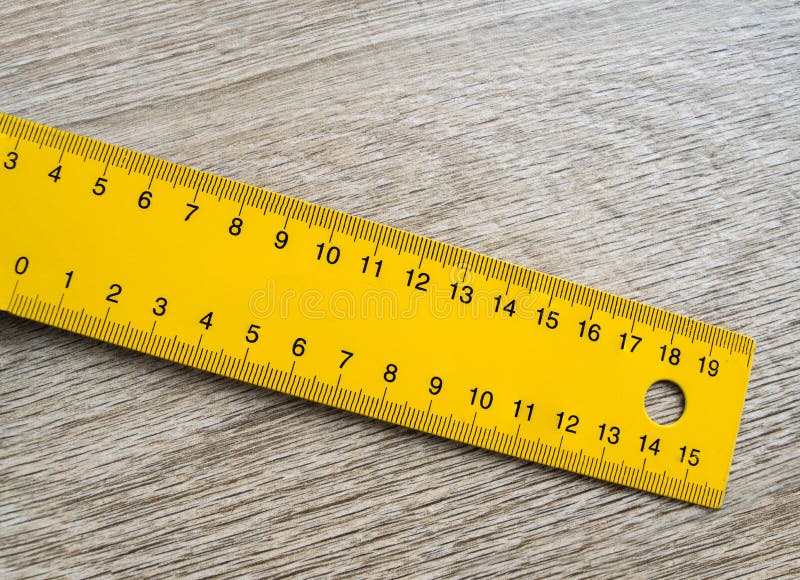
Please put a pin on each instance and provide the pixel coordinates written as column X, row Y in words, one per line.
column 21, row 265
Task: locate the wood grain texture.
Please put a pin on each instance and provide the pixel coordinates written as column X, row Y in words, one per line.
column 650, row 149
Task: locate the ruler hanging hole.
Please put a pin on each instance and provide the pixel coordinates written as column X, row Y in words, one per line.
column 664, row 402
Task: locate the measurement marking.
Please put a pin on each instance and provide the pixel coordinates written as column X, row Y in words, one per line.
column 427, row 416
column 359, row 403
column 264, row 371
column 105, row 318
column 60, row 300
column 383, row 400
column 197, row 349
column 491, row 443
column 447, row 428
column 402, row 418
column 13, row 293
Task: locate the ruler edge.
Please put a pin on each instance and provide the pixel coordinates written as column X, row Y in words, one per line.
column 310, row 213
column 334, row 220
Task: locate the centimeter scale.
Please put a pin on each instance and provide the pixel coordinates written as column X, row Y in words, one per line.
column 254, row 285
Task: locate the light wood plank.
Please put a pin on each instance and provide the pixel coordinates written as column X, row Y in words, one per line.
column 650, row 149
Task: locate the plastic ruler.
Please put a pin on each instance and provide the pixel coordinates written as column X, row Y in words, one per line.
column 254, row 285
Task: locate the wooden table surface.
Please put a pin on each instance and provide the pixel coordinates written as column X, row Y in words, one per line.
column 651, row 149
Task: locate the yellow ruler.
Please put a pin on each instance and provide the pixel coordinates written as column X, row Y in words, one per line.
column 250, row 284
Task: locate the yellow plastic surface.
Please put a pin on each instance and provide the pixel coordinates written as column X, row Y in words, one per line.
column 85, row 248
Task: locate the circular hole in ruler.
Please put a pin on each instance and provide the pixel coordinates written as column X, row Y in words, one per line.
column 664, row 402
